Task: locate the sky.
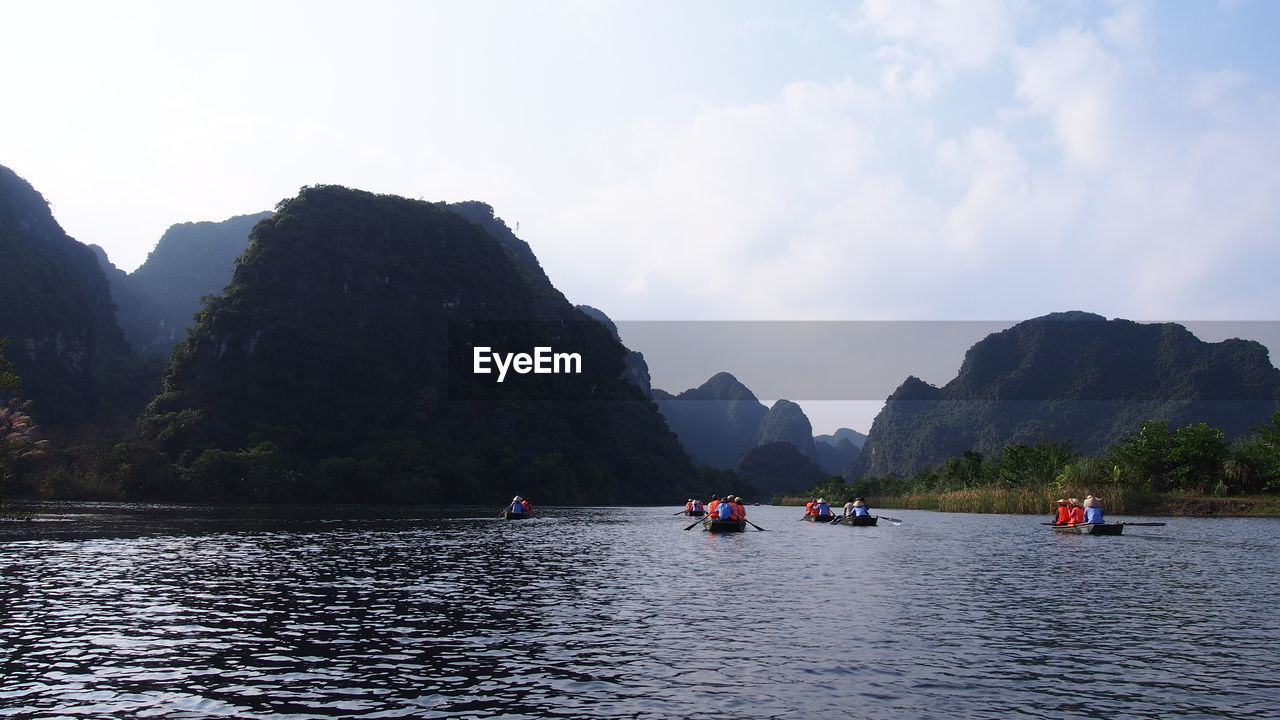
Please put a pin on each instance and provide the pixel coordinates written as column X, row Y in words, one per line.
column 703, row 160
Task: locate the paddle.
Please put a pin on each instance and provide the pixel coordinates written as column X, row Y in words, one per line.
column 882, row 517
column 753, row 525
column 695, row 523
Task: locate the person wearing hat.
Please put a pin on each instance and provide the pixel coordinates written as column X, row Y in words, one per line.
column 739, row 512
column 1077, row 511
column 860, row 508
column 1093, row 509
column 517, row 506
column 822, row 509
column 1063, row 516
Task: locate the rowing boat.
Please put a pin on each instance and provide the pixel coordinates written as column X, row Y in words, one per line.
column 514, row 515
column 723, row 525
column 858, row 520
column 819, row 518
column 1091, row 528
column 695, row 513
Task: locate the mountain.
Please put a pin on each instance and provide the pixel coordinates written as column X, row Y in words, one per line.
column 637, row 372
column 854, row 437
column 786, row 422
column 1074, row 377
column 778, row 468
column 354, row 357
column 157, row 302
column 55, row 306
column 717, row 421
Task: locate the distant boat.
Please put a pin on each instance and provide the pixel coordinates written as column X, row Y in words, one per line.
column 1091, row 528
column 819, row 518
column 695, row 513
column 514, row 515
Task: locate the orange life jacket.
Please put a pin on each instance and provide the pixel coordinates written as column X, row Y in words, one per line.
column 808, row 507
column 711, row 507
column 1064, row 515
column 739, row 512
column 1077, row 515
column 688, row 506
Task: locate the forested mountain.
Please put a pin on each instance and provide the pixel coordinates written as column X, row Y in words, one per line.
column 158, row 301
column 340, row 364
column 855, row 438
column 637, row 370
column 55, row 306
column 1071, row 377
column 778, row 468
column 717, row 421
column 786, row 422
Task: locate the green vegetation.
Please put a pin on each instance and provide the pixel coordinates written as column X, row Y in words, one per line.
column 337, row 366
column 1077, row 376
column 1145, row 469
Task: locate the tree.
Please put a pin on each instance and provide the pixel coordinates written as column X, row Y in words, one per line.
column 9, row 381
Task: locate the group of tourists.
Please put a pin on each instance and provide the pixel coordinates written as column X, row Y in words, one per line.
column 1073, row 512
column 730, row 508
column 820, row 510
column 693, row 508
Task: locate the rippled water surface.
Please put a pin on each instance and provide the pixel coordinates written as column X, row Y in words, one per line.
column 190, row 612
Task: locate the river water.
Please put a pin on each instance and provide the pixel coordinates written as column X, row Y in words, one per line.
column 197, row 612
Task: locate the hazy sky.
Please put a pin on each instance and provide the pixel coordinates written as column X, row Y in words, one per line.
column 701, row 159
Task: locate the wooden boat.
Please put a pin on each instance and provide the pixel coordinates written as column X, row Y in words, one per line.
column 695, row 513
column 514, row 515
column 820, row 518
column 723, row 525
column 1091, row 528
column 859, row 520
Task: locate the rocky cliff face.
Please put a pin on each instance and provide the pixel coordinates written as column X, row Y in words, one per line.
column 717, row 421
column 56, row 307
column 157, row 303
column 344, row 351
column 1072, row 377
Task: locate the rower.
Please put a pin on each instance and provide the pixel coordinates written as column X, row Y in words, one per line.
column 1093, row 509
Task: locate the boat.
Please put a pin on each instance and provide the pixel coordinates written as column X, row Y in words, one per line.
column 723, row 525
column 858, row 520
column 820, row 518
column 1091, row 528
column 514, row 515
column 695, row 513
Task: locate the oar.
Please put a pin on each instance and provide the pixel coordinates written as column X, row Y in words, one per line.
column 883, row 517
column 679, row 512
column 753, row 525
column 694, row 523
column 1143, row 524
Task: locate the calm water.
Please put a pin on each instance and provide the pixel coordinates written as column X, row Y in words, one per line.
column 173, row 612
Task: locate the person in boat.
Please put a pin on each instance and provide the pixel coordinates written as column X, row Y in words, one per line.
column 518, row 506
column 822, row 509
column 808, row 507
column 713, row 505
column 1093, row 509
column 693, row 507
column 1077, row 512
column 724, row 510
column 1063, row 516
column 739, row 511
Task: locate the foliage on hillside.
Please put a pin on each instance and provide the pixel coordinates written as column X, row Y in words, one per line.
column 1195, row 459
column 55, row 306
column 338, row 366
column 717, row 421
column 157, row 302
column 1071, row 377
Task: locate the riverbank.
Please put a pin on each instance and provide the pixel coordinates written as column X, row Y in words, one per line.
column 1022, row 501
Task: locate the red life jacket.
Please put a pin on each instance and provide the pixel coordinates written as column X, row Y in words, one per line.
column 1077, row 515
column 808, row 508
column 1064, row 515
